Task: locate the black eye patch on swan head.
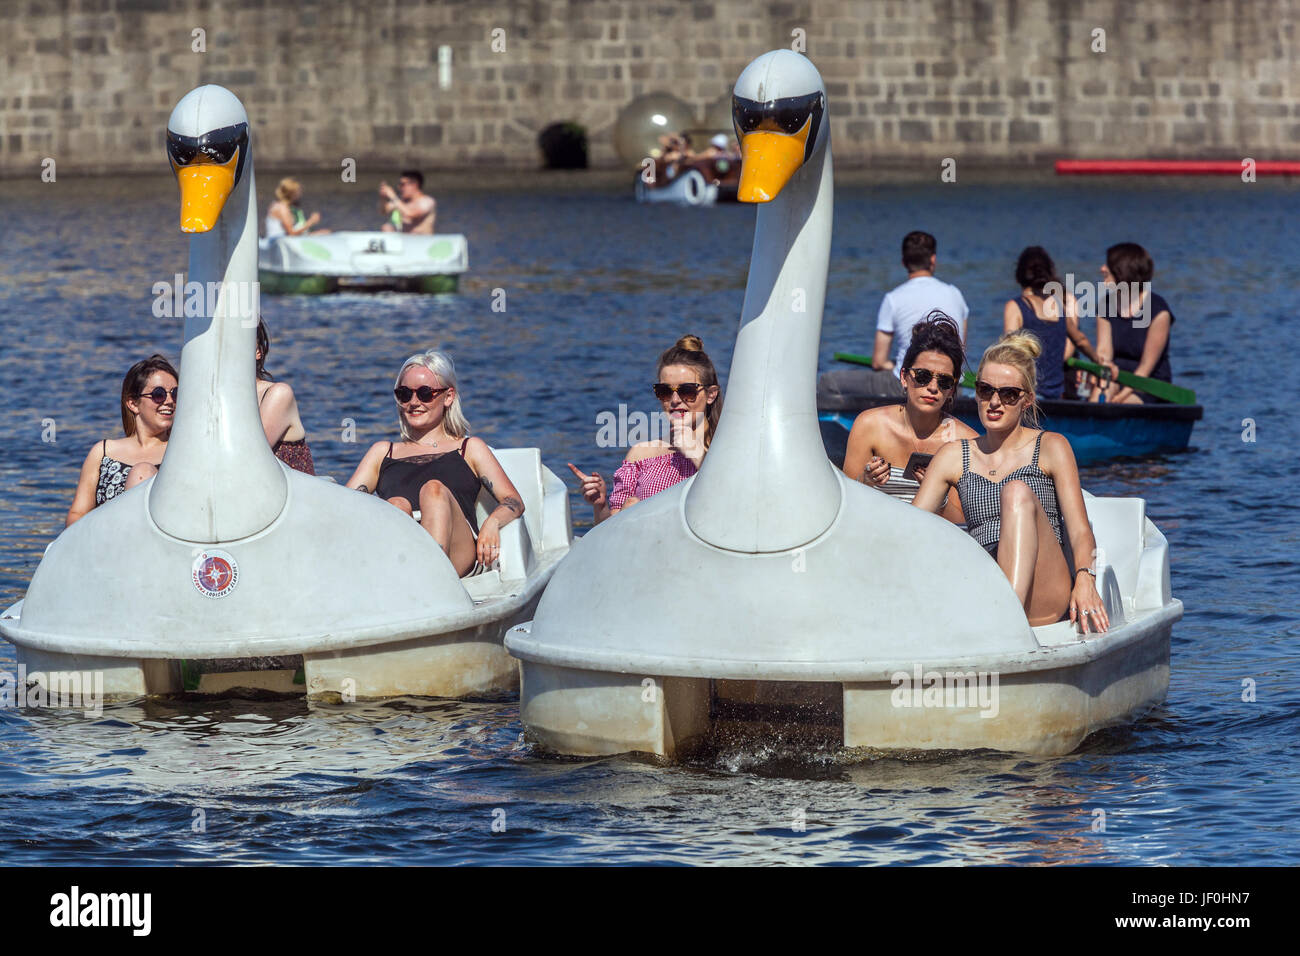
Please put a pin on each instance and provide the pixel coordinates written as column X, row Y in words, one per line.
column 786, row 115
column 218, row 145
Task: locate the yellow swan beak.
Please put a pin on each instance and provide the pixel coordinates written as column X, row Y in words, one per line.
column 768, row 160
column 205, row 187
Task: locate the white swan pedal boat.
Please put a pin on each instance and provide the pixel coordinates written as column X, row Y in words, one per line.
column 341, row 261
column 227, row 555
column 770, row 588
column 687, row 189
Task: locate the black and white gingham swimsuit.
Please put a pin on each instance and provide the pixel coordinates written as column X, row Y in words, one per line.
column 981, row 498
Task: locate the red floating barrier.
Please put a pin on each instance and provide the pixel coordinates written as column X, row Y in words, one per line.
column 1172, row 167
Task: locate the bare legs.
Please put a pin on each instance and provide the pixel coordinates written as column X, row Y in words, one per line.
column 1031, row 557
column 440, row 515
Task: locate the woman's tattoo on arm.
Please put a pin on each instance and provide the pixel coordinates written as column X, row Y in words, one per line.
column 514, row 504
column 364, row 489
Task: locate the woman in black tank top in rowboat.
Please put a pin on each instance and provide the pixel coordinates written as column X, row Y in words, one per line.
column 437, row 469
column 1020, row 492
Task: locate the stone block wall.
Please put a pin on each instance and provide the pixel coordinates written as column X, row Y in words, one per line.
column 91, row 82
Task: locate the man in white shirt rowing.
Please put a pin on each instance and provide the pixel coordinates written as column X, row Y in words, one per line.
column 907, row 305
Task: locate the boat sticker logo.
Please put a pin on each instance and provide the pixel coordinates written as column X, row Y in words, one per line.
column 215, row 573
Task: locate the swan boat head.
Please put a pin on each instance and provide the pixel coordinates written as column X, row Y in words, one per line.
column 767, row 461
column 207, row 143
column 221, row 482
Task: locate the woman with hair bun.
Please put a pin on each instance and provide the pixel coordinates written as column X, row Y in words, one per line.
column 884, row 439
column 115, row 465
column 687, row 386
column 1039, row 311
column 1020, row 492
column 437, row 469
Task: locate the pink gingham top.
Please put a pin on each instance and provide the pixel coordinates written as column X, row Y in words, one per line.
column 649, row 476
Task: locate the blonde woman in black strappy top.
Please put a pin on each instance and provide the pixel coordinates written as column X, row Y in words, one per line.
column 1017, row 485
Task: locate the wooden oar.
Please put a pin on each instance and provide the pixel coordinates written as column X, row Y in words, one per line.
column 1152, row 386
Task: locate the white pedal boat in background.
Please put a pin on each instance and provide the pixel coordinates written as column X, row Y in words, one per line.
column 771, row 589
column 229, row 555
column 688, row 189
column 313, row 265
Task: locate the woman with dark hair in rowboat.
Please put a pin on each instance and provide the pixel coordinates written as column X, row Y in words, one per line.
column 884, row 439
column 1133, row 329
column 1054, row 319
column 1020, row 492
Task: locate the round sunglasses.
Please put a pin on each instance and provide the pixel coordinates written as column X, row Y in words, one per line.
column 922, row 376
column 689, row 391
column 1007, row 395
column 159, row 394
column 425, row 393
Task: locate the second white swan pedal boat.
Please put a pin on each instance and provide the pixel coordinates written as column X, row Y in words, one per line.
column 229, row 554
column 368, row 261
column 770, row 586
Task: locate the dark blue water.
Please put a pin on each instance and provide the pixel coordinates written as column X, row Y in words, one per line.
column 595, row 287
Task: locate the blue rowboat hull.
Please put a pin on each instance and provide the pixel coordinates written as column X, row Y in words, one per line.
column 1096, row 432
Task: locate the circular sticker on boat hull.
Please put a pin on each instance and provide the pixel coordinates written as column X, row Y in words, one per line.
column 215, row 573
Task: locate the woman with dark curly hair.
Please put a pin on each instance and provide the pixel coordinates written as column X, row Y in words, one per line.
column 884, row 439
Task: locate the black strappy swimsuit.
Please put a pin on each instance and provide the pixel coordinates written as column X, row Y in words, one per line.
column 404, row 477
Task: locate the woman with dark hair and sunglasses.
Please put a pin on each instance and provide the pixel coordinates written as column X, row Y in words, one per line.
column 115, row 465
column 278, row 408
column 437, row 469
column 1053, row 319
column 688, row 389
column 884, row 439
column 1020, row 492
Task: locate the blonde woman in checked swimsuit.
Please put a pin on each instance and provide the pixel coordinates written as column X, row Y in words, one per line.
column 1018, row 485
column 688, row 388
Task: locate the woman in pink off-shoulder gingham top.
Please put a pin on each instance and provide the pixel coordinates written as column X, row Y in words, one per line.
column 692, row 400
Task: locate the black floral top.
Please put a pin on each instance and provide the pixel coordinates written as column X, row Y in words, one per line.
column 112, row 478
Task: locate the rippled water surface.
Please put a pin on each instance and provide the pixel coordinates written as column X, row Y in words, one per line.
column 595, row 287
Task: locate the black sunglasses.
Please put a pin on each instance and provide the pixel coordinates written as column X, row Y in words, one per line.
column 689, row 391
column 218, row 145
column 159, row 394
column 787, row 115
column 425, row 393
column 922, row 376
column 1008, row 395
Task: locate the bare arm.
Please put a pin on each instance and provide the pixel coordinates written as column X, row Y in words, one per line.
column 880, row 357
column 1157, row 339
column 83, row 500
column 862, row 449
column 278, row 409
column 493, row 477
column 1011, row 318
column 941, row 474
column 366, row 477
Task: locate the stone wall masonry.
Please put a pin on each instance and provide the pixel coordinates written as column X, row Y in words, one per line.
column 91, row 82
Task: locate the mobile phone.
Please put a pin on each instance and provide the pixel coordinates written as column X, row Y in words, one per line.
column 917, row 460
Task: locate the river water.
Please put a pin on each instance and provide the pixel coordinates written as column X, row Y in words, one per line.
column 594, row 287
